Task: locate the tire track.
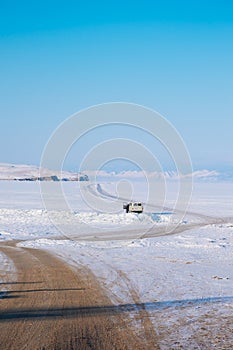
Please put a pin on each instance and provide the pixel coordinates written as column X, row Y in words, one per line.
column 52, row 307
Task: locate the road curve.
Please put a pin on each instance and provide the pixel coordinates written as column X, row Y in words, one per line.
column 200, row 220
column 52, row 307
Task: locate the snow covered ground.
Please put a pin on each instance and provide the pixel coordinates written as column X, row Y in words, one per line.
column 184, row 281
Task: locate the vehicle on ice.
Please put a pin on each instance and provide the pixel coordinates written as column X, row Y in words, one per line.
column 133, row 207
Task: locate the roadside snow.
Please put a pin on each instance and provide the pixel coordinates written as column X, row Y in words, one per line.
column 24, row 224
column 7, row 274
column 199, row 255
column 36, row 223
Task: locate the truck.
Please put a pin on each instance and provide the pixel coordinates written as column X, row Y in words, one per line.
column 133, row 207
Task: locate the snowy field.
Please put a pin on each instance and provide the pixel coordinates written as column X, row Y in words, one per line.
column 184, row 281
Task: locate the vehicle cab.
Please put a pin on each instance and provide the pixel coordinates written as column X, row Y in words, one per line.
column 133, row 207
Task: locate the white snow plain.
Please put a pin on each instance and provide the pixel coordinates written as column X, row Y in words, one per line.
column 184, row 281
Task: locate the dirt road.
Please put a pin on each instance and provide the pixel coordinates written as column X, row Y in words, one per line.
column 53, row 307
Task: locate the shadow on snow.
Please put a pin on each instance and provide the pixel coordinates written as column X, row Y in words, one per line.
column 74, row 312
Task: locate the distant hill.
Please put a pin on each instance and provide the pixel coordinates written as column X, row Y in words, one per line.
column 19, row 172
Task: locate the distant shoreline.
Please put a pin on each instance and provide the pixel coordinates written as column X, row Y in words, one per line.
column 81, row 179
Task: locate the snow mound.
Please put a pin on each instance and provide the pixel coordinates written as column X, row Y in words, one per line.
column 114, row 244
column 4, row 235
column 25, row 223
column 123, row 219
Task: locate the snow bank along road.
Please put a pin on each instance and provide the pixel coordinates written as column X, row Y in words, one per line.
column 52, row 307
column 195, row 220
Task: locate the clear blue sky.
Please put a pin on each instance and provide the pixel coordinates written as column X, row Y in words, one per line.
column 57, row 57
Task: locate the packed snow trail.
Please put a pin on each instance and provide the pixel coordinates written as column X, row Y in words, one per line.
column 103, row 193
column 155, row 231
column 53, row 307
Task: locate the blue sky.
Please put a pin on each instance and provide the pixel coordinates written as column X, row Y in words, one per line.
column 57, row 57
